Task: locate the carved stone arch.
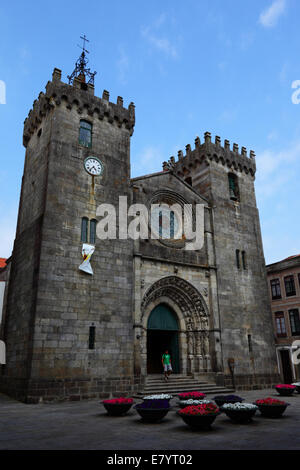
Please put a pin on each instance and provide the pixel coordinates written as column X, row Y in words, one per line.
column 193, row 319
column 185, row 295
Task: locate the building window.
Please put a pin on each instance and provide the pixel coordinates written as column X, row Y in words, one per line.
column 244, row 260
column 280, row 325
column 275, row 288
column 250, row 344
column 85, row 133
column 295, row 322
column 189, row 180
column 160, row 222
column 172, row 216
column 237, row 256
column 93, row 224
column 233, row 187
column 289, row 286
column 92, row 332
column 84, row 229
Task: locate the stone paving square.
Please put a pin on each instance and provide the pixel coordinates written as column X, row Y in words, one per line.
column 85, row 425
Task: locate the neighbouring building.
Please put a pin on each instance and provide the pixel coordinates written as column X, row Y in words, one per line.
column 284, row 287
column 3, row 280
column 74, row 335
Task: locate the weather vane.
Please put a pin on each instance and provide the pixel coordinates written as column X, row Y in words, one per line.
column 81, row 71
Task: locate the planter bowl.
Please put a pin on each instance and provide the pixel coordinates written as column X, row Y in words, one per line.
column 221, row 401
column 272, row 411
column 297, row 387
column 117, row 409
column 240, row 416
column 152, row 415
column 285, row 392
column 198, row 422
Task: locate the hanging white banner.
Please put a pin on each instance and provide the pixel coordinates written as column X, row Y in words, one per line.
column 87, row 251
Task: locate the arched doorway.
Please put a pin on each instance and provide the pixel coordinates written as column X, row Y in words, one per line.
column 162, row 334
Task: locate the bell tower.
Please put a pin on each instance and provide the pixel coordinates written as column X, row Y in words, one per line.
column 225, row 176
column 68, row 333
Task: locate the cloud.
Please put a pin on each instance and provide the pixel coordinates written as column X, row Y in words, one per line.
column 246, row 40
column 269, row 17
column 276, row 189
column 149, row 161
column 272, row 135
column 24, row 59
column 276, row 169
column 123, row 66
column 159, row 40
column 229, row 115
column 284, row 74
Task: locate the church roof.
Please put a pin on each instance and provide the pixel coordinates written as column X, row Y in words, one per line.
column 166, row 172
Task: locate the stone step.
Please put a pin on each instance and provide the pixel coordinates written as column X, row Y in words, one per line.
column 179, row 382
column 176, row 389
column 196, row 386
column 212, row 391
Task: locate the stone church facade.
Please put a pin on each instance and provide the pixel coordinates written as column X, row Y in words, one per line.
column 71, row 335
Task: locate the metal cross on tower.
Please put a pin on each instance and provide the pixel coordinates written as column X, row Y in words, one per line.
column 84, row 38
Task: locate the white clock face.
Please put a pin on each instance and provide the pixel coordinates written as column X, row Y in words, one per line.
column 93, row 166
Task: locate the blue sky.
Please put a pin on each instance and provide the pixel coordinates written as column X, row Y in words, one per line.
column 223, row 66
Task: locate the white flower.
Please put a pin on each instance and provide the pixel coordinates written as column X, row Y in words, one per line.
column 194, row 402
column 297, row 384
column 239, row 406
column 162, row 396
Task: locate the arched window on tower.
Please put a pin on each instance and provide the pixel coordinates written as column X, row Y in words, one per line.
column 160, row 223
column 233, row 187
column 172, row 230
column 85, row 133
column 93, row 224
column 84, row 229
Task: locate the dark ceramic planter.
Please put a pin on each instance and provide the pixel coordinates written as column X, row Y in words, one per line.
column 198, row 422
column 240, row 416
column 272, row 411
column 285, row 392
column 152, row 415
column 221, row 401
column 116, row 409
column 297, row 388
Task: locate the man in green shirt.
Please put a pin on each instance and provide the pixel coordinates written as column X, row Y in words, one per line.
column 166, row 362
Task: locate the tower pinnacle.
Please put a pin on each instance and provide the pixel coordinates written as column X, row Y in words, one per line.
column 81, row 71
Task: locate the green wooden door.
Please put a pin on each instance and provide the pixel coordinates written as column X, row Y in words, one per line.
column 163, row 326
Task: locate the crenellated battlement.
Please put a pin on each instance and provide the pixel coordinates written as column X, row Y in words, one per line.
column 80, row 96
column 209, row 151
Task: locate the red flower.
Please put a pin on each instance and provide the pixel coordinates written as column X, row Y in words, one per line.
column 192, row 395
column 269, row 401
column 285, row 386
column 119, row 401
column 200, row 410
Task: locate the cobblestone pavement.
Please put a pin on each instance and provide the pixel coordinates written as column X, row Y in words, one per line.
column 85, row 425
